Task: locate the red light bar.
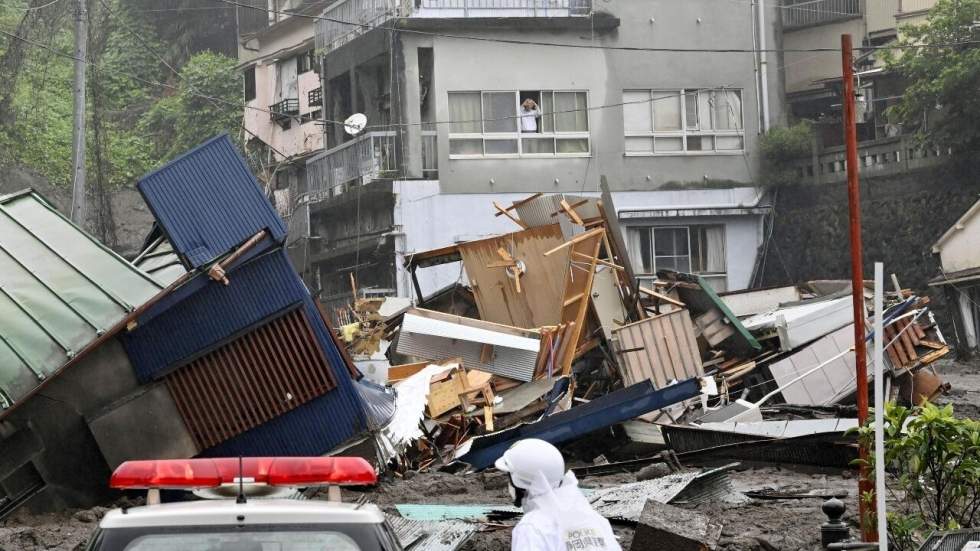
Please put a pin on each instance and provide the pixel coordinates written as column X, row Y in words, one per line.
column 192, row 474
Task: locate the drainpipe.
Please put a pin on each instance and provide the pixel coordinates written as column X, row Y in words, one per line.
column 763, row 60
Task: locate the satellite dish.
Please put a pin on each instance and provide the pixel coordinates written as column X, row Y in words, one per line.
column 355, row 124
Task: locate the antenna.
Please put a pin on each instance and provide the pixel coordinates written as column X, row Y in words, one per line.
column 241, row 481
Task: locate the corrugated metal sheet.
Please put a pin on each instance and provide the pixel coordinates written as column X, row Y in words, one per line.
column 195, row 325
column 416, row 535
column 438, row 336
column 953, row 540
column 60, row 289
column 190, row 326
column 266, row 372
column 436, row 511
column 207, row 202
column 540, row 210
column 825, row 449
column 661, row 349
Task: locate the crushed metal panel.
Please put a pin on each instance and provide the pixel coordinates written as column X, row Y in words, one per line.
column 829, row 384
column 60, row 290
column 415, row 535
column 208, row 202
column 800, row 324
column 494, row 288
column 660, row 349
column 700, row 298
column 541, row 211
column 789, row 428
column 953, row 540
column 758, row 301
column 436, row 336
column 433, row 512
column 265, row 373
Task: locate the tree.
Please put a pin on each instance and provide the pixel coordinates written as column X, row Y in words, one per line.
column 207, row 102
column 942, row 67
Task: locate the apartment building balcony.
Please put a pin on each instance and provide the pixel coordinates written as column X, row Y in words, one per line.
column 347, row 19
column 808, row 13
column 283, row 111
column 315, row 97
column 371, row 156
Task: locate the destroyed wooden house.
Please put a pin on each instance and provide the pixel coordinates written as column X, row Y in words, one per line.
column 216, row 349
column 564, row 340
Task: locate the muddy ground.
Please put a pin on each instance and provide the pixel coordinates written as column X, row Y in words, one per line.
column 763, row 525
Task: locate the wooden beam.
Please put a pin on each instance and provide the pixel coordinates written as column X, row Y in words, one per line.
column 662, row 297
column 503, row 211
column 576, row 239
column 599, row 260
column 519, row 203
column 570, row 211
column 574, row 205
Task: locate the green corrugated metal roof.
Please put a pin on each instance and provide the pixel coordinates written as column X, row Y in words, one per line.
column 59, row 290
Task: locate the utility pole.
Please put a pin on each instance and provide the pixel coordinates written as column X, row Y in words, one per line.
column 857, row 277
column 78, row 199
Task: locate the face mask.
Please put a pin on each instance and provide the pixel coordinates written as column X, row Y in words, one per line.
column 516, row 494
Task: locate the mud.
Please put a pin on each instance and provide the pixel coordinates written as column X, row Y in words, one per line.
column 761, row 525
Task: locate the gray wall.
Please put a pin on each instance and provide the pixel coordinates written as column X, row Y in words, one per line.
column 473, row 65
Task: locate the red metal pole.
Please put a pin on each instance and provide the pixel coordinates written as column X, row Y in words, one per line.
column 857, row 277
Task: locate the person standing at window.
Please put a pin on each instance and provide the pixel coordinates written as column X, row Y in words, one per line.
column 529, row 115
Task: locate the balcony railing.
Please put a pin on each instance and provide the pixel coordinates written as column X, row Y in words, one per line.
column 315, row 97
column 283, row 110
column 877, row 158
column 804, row 13
column 333, row 172
column 347, row 19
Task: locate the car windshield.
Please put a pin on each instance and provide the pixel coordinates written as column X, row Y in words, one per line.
column 245, row 541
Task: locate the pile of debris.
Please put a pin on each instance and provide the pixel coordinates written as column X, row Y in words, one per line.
column 562, row 339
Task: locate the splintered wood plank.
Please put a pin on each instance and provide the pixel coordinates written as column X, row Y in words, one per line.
column 503, row 211
column 577, row 282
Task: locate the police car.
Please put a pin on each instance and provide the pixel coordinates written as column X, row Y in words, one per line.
column 243, row 509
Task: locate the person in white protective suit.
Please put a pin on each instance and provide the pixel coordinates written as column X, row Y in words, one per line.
column 557, row 517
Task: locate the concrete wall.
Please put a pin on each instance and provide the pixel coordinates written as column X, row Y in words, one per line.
column 280, row 43
column 462, row 65
column 902, row 216
column 803, row 68
column 427, row 219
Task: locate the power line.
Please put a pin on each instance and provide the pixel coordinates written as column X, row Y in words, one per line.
column 591, row 46
column 51, row 3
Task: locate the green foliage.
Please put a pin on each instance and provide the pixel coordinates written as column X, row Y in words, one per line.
column 206, row 103
column 933, row 459
column 147, row 113
column 781, row 148
column 946, row 76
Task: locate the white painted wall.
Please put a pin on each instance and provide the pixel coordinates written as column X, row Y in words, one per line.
column 962, row 250
column 428, row 219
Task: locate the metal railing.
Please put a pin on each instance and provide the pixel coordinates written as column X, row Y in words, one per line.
column 804, row 13
column 333, row 172
column 505, row 8
column 315, row 97
column 877, row 158
column 284, row 109
column 908, row 6
column 345, row 20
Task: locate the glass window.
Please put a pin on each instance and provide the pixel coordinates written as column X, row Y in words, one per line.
column 666, row 111
column 683, row 121
column 640, row 248
column 250, row 83
column 636, row 111
column 499, row 112
column 246, row 541
column 465, row 112
column 486, row 123
column 570, row 112
column 500, row 147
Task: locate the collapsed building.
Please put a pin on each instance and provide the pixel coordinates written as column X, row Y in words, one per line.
column 208, row 345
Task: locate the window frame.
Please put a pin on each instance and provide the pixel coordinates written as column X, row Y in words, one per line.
column 689, row 228
column 700, row 131
column 249, row 88
column 554, row 135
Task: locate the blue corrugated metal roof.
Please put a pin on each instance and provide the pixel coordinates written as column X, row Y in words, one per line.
column 216, row 313
column 208, row 202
